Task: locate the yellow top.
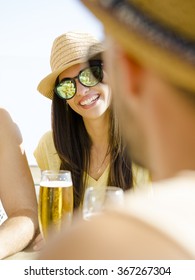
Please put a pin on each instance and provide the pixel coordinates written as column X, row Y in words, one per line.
column 47, row 158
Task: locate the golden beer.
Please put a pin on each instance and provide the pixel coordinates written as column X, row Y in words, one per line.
column 55, row 201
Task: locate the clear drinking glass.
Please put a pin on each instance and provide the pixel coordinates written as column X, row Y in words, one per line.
column 97, row 199
column 55, row 203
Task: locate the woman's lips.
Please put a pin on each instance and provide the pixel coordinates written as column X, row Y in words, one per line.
column 88, row 100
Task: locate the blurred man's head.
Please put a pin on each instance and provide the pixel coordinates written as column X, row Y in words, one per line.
column 151, row 62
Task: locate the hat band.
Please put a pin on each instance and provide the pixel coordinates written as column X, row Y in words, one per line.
column 139, row 22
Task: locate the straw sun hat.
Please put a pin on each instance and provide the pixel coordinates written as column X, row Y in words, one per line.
column 158, row 33
column 68, row 49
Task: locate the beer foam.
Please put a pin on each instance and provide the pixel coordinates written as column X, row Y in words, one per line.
column 55, row 184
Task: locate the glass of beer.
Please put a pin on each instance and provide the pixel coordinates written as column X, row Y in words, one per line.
column 55, row 200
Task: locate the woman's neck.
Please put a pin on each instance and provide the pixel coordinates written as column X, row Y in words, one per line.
column 99, row 157
column 98, row 130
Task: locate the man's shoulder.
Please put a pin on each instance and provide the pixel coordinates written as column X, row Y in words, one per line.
column 167, row 206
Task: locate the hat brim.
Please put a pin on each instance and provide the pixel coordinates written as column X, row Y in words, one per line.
column 95, row 51
column 170, row 65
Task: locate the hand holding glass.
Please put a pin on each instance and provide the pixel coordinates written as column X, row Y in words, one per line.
column 55, row 200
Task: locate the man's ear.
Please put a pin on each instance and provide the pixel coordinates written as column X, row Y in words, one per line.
column 132, row 72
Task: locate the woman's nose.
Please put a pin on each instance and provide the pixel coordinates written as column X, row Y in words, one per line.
column 81, row 89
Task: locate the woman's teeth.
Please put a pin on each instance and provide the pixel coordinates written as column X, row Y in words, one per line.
column 89, row 100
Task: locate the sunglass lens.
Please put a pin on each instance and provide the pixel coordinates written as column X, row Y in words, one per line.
column 91, row 76
column 66, row 89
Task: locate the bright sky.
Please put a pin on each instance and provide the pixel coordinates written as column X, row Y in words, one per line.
column 27, row 29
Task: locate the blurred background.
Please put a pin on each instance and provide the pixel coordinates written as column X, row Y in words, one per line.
column 27, row 29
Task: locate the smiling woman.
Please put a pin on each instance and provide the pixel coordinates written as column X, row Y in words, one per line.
column 85, row 137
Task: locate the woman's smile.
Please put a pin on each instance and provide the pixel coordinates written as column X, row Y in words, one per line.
column 89, row 100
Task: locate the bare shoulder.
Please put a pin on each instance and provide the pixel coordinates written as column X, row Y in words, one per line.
column 8, row 126
column 4, row 116
column 114, row 236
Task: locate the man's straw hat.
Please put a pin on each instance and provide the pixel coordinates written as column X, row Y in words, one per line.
column 68, row 49
column 158, row 33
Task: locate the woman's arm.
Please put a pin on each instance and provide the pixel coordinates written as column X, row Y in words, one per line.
column 17, row 191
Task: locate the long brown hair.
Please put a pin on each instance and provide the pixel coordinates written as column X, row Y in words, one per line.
column 73, row 146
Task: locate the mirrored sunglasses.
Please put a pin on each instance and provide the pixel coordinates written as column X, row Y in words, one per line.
column 87, row 77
